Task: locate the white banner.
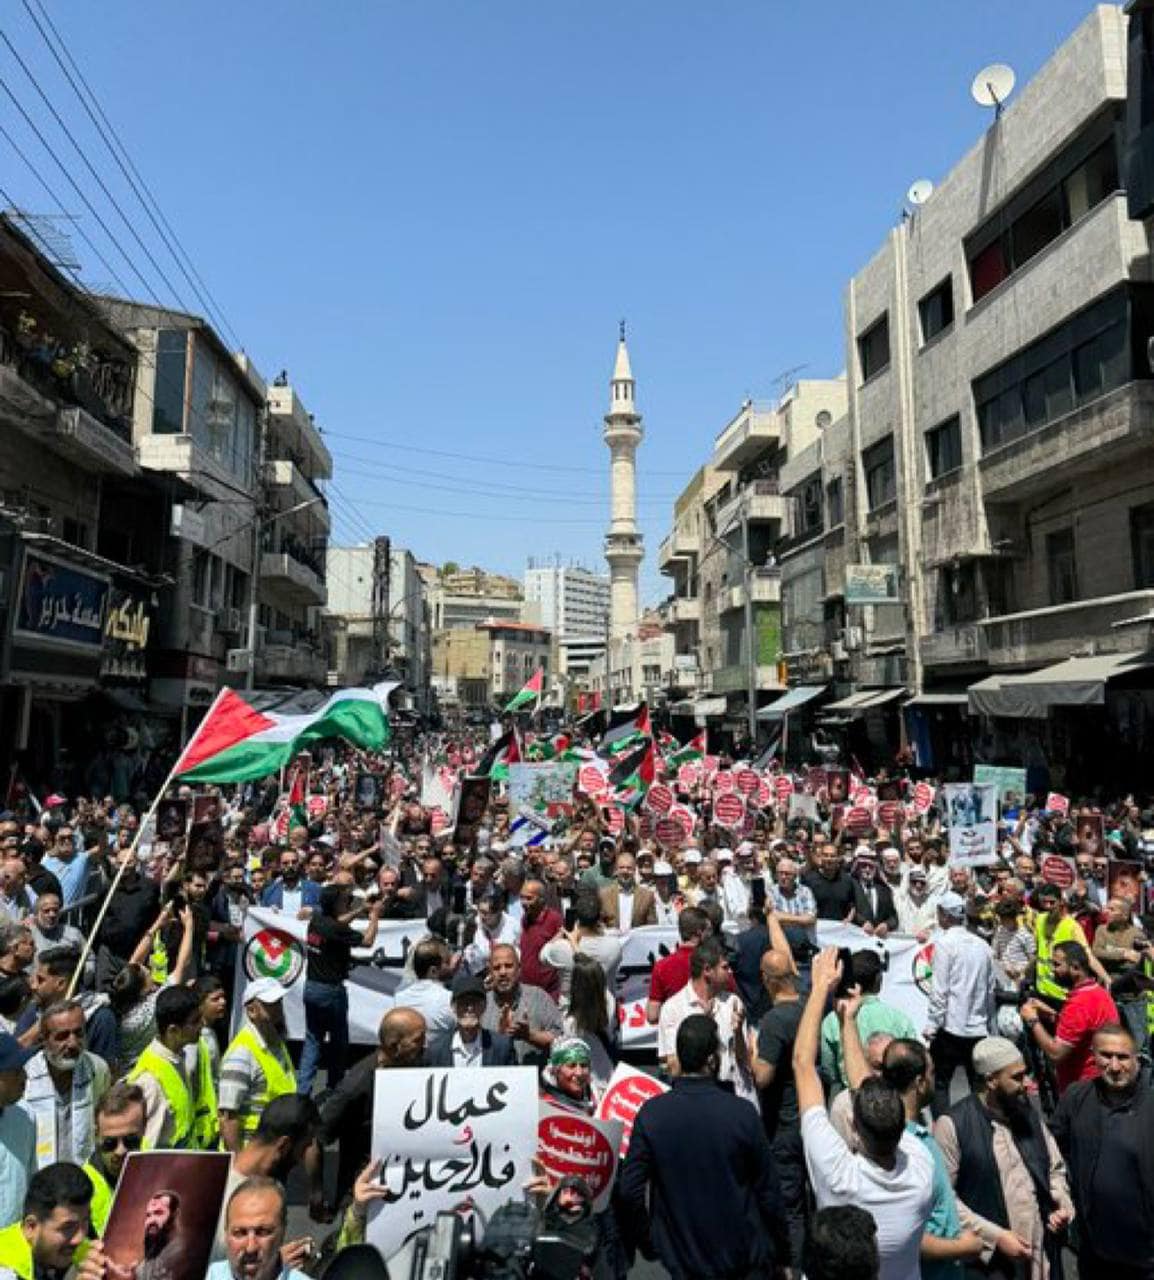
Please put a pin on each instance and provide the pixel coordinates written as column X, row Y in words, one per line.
column 641, row 949
column 444, row 1136
column 906, row 964
column 274, row 947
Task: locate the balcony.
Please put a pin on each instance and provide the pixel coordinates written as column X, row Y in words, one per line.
column 765, row 588
column 962, row 645
column 1109, row 431
column 291, row 579
column 182, row 456
column 291, row 425
column 1109, row 624
column 683, row 609
column 287, row 479
column 735, row 679
column 677, row 545
column 755, row 428
column 760, row 502
column 289, row 664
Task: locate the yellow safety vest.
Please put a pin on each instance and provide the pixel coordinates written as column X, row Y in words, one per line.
column 206, row 1126
column 277, row 1070
column 1067, row 930
column 16, row 1252
column 101, row 1198
column 158, row 960
column 176, row 1094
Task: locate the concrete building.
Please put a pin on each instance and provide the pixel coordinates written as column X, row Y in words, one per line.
column 464, row 597
column 378, row 617
column 573, row 603
column 624, row 548
column 481, row 669
column 1000, row 418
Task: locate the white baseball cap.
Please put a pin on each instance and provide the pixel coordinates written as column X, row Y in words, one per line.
column 266, row 990
column 691, row 855
column 662, row 868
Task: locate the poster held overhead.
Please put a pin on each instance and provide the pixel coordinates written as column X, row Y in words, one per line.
column 971, row 818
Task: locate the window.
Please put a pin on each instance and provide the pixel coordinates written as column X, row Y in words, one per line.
column 809, row 506
column 835, row 502
column 1142, row 544
column 936, row 309
column 168, row 393
column 880, row 474
column 1067, row 189
column 1063, row 567
column 74, row 531
column 873, row 348
column 1082, row 359
column 944, row 447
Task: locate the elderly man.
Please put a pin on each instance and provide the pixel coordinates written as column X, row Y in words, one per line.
column 256, row 1066
column 65, row 1085
column 15, row 900
column 1006, row 1168
column 519, row 1010
column 916, row 904
column 48, row 930
column 470, row 1045
column 962, row 1008
column 625, row 904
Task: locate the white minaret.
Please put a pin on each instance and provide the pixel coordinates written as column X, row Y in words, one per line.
column 623, row 546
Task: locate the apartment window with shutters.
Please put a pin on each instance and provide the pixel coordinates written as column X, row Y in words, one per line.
column 1063, row 566
column 944, row 447
column 1142, row 544
column 873, row 348
column 936, row 310
column 880, row 473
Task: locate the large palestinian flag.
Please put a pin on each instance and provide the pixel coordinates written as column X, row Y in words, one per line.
column 694, row 749
column 626, row 730
column 237, row 743
column 633, row 774
column 503, row 752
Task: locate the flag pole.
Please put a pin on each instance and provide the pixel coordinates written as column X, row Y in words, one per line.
column 130, row 856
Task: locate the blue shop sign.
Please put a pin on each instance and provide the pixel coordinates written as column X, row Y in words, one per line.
column 60, row 602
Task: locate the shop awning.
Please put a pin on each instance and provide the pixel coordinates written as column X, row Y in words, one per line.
column 792, row 700
column 852, row 702
column 857, row 704
column 1077, row 682
column 704, row 708
column 940, row 700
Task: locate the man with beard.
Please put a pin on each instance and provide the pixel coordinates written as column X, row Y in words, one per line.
column 1105, row 1128
column 163, row 1247
column 831, row 885
column 130, row 911
column 518, row 1010
column 254, row 1230
column 1006, row 1168
column 289, row 892
column 873, row 899
column 256, row 1067
column 624, row 904
column 43, row 1244
column 1088, row 1007
column 65, row 1084
column 119, row 1131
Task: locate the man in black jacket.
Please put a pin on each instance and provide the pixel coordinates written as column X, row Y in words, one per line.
column 873, row 899
column 724, row 1217
column 470, row 1045
column 1105, row 1129
column 133, row 907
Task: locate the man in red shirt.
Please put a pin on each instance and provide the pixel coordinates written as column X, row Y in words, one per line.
column 539, row 924
column 1088, row 1007
column 671, row 972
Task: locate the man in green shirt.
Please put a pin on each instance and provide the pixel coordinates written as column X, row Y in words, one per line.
column 873, row 1016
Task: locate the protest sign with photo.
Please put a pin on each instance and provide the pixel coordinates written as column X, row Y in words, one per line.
column 570, row 1144
column 171, row 819
column 971, row 818
column 1011, row 783
column 472, row 800
column 542, row 788
column 165, row 1212
column 803, row 806
column 628, row 1090
column 1090, row 834
column 367, row 792
column 274, row 947
column 435, row 794
column 445, row 1137
column 1124, row 880
column 837, row 785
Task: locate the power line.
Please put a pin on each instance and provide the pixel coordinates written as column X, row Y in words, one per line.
column 131, row 173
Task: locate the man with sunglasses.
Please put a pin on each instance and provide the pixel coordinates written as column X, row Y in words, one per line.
column 119, row 1131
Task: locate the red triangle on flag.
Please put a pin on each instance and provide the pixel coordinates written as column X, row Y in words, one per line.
column 229, row 720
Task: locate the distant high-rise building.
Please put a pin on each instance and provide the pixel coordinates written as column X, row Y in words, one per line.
column 573, row 603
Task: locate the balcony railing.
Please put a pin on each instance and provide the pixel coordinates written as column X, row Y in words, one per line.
column 953, row 646
column 1054, row 633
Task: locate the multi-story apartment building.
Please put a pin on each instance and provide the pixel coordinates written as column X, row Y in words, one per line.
column 463, row 597
column 1000, row 398
column 573, row 603
column 479, row 670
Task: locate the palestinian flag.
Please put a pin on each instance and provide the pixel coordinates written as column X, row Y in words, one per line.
column 694, row 749
column 633, row 774
column 547, row 748
column 237, row 743
column 530, row 693
column 503, row 752
column 298, row 798
column 626, row 729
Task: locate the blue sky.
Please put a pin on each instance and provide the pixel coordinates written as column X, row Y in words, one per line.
column 434, row 214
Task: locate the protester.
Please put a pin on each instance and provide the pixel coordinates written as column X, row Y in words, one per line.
column 17, row 1131
column 120, row 1125
column 468, row 1044
column 256, row 1067
column 520, row 1011
column 428, row 994
column 587, row 937
column 255, row 1222
column 45, row 1242
column 873, row 1015
column 162, row 1072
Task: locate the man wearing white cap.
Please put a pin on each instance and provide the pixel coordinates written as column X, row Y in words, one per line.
column 669, row 902
column 256, row 1067
column 962, row 1009
column 1006, row 1168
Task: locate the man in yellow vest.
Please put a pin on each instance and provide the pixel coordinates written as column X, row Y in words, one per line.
column 1053, row 924
column 54, row 1225
column 119, row 1131
column 256, row 1067
column 161, row 1072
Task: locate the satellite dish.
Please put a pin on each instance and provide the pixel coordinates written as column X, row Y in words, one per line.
column 993, row 85
column 920, row 192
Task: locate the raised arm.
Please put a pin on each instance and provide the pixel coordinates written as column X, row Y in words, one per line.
column 825, row 975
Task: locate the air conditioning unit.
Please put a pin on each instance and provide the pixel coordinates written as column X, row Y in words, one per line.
column 838, row 652
column 854, row 639
column 228, row 620
column 238, row 660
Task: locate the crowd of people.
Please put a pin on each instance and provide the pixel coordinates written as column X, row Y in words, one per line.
column 813, row 1124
